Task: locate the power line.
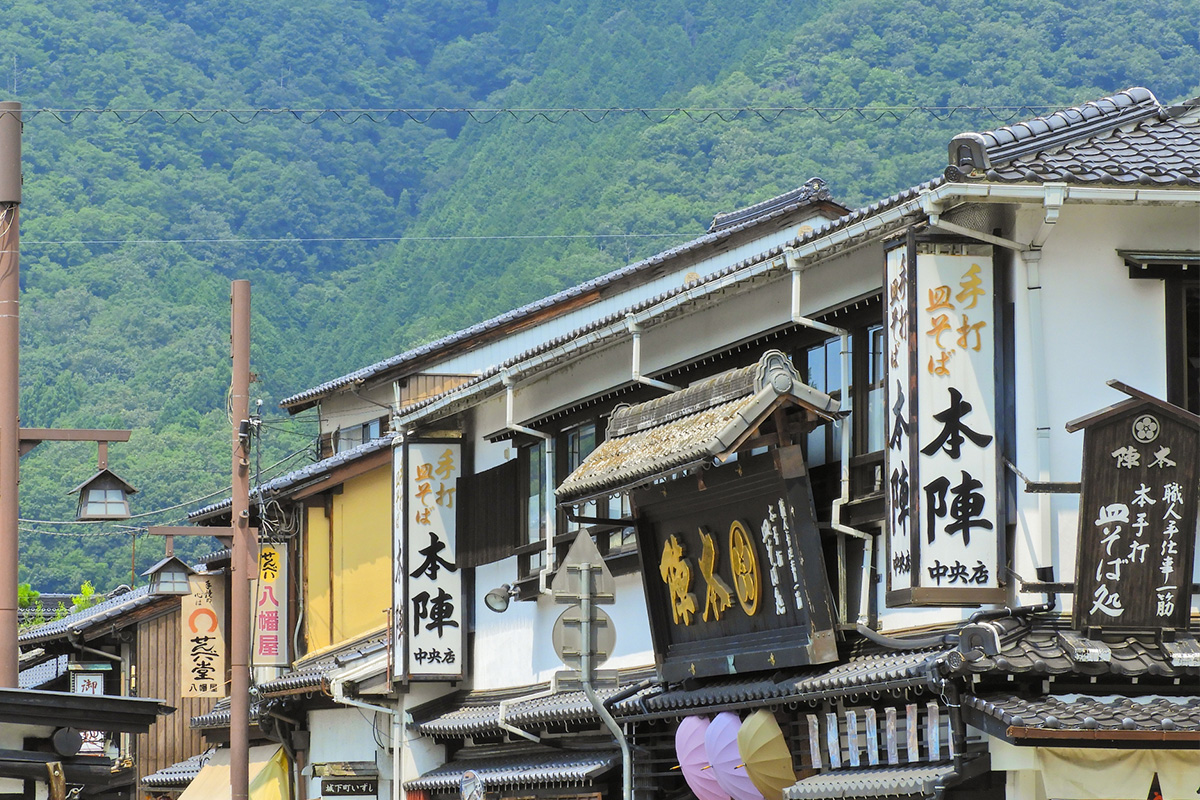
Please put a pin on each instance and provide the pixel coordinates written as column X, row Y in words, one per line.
column 486, row 116
column 325, row 239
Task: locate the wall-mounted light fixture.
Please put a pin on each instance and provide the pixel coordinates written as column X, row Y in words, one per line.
column 499, row 598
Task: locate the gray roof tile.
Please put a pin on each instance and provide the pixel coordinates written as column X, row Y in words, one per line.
column 1082, row 713
column 102, row 612
column 291, row 480
column 876, row 782
column 179, row 774
column 1125, row 139
column 523, row 768
column 310, row 674
column 689, row 427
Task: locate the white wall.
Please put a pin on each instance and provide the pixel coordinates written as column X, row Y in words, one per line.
column 345, row 734
column 513, row 648
column 1097, row 324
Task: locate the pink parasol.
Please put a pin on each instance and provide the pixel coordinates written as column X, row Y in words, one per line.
column 721, row 744
column 693, row 759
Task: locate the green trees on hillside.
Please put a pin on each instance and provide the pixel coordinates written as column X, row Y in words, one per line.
column 134, row 224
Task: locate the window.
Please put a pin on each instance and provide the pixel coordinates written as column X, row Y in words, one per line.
column 1183, row 344
column 580, row 441
column 354, row 435
column 873, row 411
column 823, row 372
column 536, row 486
column 106, row 503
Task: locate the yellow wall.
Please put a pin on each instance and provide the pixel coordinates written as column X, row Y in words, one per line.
column 349, row 579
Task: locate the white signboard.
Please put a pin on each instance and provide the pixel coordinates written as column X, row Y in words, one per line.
column 944, row 490
column 202, row 627
column 399, row 640
column 898, row 408
column 89, row 683
column 270, row 608
column 434, row 633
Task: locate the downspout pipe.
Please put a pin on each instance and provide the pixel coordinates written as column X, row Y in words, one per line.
column 792, row 259
column 635, row 333
column 549, row 512
column 585, row 674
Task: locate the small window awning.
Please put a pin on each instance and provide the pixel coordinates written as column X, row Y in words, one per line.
column 917, row 781
column 523, row 769
column 1161, row 263
column 268, row 776
column 689, row 428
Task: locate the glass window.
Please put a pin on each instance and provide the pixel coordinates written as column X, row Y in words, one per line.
column 106, row 503
column 823, row 364
column 580, row 442
column 535, row 494
column 875, row 413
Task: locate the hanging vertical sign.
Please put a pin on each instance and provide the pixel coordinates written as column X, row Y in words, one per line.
column 202, row 628
column 89, row 683
column 270, row 608
column 399, row 640
column 434, row 632
column 945, row 525
column 1137, row 517
column 898, row 409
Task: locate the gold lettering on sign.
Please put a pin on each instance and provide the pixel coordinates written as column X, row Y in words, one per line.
column 676, row 572
column 742, row 557
column 717, row 597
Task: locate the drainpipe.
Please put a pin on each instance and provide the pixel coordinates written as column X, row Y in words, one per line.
column 792, row 260
column 635, row 331
column 550, row 510
column 585, row 679
column 399, row 739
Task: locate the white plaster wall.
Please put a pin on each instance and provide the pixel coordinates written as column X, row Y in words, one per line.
column 1098, row 324
column 514, row 648
column 12, row 737
column 345, row 734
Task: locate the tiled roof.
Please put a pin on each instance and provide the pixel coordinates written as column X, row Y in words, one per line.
column 221, row 713
column 1033, row 646
column 472, row 719
column 101, row 612
column 1018, row 717
column 688, row 427
column 860, row 675
column 597, row 332
column 811, row 192
column 1128, row 138
column 45, row 672
column 310, row 673
column 179, row 774
column 300, row 476
column 914, row 781
column 519, row 769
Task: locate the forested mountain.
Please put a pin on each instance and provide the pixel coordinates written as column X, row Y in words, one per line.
column 363, row 234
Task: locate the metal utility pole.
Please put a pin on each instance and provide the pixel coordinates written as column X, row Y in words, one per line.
column 10, row 424
column 245, row 550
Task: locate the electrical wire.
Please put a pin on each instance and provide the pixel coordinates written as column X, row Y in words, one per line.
column 25, row 242
column 486, row 116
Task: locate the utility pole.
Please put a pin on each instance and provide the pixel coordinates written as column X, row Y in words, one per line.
column 245, row 549
column 10, row 423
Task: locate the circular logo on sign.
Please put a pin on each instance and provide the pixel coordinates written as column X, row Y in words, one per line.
column 1146, row 428
column 745, row 567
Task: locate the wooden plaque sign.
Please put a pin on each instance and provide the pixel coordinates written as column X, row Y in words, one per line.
column 1137, row 517
column 734, row 576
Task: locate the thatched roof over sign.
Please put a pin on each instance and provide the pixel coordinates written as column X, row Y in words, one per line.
column 691, row 427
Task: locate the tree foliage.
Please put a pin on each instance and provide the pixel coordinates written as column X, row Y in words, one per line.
column 134, row 224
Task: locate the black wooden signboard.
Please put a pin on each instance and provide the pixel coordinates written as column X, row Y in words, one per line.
column 1137, row 518
column 350, row 787
column 734, row 574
